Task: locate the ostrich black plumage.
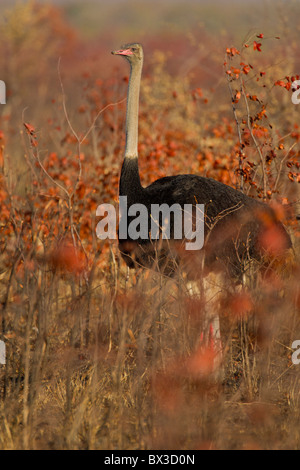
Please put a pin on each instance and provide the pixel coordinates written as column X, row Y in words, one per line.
column 234, row 222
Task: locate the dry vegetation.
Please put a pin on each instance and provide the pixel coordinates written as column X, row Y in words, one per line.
column 98, row 358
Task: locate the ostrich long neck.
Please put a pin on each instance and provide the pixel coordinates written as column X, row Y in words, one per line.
column 132, row 114
column 130, row 183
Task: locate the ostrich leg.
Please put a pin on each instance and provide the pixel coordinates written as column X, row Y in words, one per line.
column 210, row 336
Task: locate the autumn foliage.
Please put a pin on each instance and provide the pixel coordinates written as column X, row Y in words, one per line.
column 101, row 358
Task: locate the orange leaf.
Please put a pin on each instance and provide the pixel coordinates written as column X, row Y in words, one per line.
column 246, row 69
column 232, row 51
column 237, row 97
column 241, row 304
column 236, row 71
column 201, row 362
column 280, row 83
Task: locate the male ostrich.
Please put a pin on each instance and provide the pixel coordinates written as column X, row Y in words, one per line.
column 234, row 222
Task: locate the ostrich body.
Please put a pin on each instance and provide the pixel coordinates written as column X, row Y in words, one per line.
column 234, row 222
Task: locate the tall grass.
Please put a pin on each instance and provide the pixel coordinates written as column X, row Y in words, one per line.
column 99, row 357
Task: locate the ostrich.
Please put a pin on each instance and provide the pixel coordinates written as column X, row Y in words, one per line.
column 234, row 222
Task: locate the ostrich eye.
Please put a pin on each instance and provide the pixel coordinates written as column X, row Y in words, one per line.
column 134, row 49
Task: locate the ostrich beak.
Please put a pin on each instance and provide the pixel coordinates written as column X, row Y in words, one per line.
column 123, row 52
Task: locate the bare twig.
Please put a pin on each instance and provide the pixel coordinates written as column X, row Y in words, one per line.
column 241, row 152
column 262, row 161
column 281, row 164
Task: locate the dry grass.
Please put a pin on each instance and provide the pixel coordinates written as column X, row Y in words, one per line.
column 116, row 364
column 102, row 358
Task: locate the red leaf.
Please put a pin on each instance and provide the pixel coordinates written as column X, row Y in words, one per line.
column 29, row 128
column 273, row 240
column 66, row 258
column 257, row 46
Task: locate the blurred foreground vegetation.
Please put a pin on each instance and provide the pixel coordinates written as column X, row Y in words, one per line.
column 98, row 358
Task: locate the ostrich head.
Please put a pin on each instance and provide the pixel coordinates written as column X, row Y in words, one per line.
column 132, row 52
